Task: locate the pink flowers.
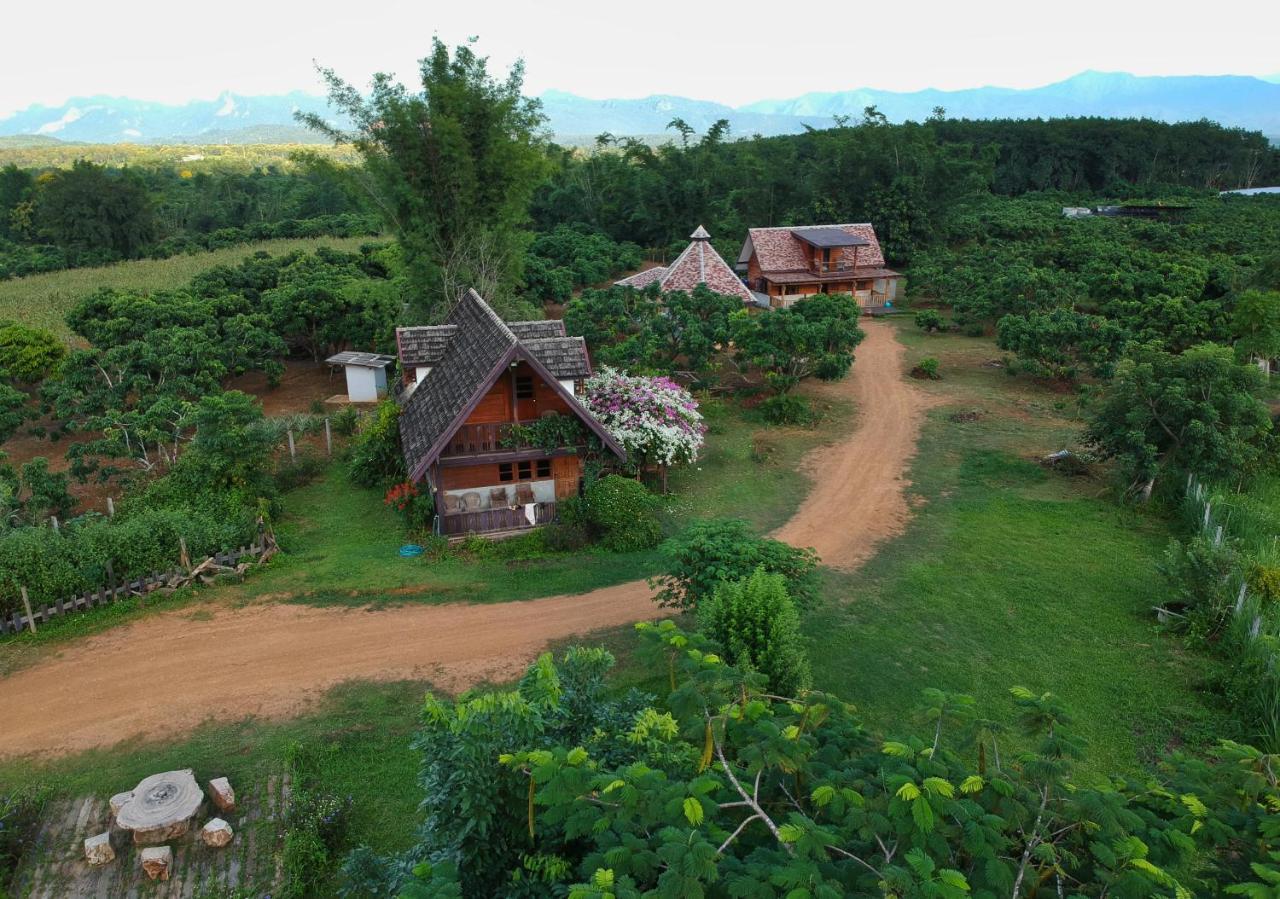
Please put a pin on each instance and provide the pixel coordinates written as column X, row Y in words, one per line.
column 655, row 419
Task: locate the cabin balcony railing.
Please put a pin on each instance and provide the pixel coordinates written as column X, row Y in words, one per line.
column 492, row 437
column 819, row 267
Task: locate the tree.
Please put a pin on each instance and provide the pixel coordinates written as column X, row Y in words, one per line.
column 376, row 458
column 654, row 419
column 469, row 834
column 29, row 354
column 1255, row 323
column 816, row 336
column 756, row 622
column 728, row 789
column 228, row 448
column 452, row 169
column 13, row 409
column 1058, row 344
column 90, row 208
column 717, row 550
column 1197, row 412
column 46, row 491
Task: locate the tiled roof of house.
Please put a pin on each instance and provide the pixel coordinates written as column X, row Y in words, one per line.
column 564, row 357
column 479, row 346
column 641, row 280
column 698, row 264
column 536, row 330
column 423, row 345
column 778, row 250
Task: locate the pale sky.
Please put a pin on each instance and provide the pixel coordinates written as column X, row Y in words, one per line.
column 733, row 52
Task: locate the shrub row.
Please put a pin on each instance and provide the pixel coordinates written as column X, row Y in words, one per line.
column 58, row 564
column 19, row 261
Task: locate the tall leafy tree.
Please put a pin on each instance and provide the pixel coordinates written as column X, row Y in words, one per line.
column 1255, row 322
column 89, row 207
column 452, row 167
column 1196, row 411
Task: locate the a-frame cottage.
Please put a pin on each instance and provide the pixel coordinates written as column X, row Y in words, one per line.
column 698, row 264
column 468, row 382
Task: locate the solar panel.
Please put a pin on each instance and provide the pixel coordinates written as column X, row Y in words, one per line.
column 829, row 237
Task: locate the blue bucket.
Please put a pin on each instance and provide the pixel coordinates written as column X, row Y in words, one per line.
column 409, row 550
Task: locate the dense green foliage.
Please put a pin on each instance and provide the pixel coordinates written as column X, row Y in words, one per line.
column 816, row 336
column 905, row 179
column 1195, row 412
column 1062, row 342
column 211, row 497
column 28, row 354
column 714, row 551
column 570, row 257
column 622, row 513
column 757, row 624
column 375, row 458
column 154, row 355
column 452, row 168
column 724, row 789
column 88, row 214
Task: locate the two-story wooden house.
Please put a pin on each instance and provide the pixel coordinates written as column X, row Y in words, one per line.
column 468, row 384
column 783, row 265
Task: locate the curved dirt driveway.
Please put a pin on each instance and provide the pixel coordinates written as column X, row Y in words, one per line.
column 165, row 674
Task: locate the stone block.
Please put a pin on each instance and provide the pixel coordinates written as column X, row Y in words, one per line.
column 156, row 861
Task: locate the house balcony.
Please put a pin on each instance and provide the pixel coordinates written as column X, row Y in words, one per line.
column 832, row 267
column 494, row 437
column 495, row 522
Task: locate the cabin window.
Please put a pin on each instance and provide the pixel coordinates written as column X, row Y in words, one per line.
column 524, row 471
column 524, row 387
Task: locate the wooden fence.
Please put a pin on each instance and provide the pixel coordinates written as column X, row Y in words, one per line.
column 139, row 586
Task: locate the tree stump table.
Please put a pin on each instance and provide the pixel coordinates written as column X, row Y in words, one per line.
column 163, row 808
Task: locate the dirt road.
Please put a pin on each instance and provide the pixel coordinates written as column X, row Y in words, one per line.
column 165, row 674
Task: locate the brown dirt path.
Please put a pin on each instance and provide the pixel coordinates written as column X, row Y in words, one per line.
column 163, row 675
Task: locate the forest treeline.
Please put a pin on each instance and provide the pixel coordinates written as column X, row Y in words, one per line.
column 90, row 214
column 903, row 178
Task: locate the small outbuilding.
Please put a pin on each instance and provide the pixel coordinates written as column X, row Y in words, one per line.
column 366, row 374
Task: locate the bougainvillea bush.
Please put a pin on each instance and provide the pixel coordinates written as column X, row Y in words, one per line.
column 655, row 419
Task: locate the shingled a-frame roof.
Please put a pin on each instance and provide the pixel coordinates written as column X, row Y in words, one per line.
column 478, row 348
column 698, row 264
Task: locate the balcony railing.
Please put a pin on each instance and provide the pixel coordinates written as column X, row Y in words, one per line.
column 832, row 267
column 488, row 521
column 494, row 437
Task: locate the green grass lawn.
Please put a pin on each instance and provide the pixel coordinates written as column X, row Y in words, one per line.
column 1012, row 575
column 341, row 547
column 44, row 300
column 342, row 543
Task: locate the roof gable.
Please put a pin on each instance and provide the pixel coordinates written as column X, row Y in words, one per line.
column 779, row 250
column 478, row 350
column 698, row 264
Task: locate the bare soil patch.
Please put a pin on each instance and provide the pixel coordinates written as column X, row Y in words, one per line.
column 275, row 660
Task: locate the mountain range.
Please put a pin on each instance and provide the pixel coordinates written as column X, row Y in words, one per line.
column 1233, row 100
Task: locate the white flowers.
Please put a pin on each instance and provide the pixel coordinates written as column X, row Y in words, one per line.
column 655, row 419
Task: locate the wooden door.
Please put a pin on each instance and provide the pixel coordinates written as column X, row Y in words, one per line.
column 566, row 470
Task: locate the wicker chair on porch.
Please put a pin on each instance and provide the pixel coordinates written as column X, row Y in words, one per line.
column 524, row 494
column 498, row 498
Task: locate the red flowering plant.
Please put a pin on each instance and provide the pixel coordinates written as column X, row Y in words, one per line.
column 414, row 507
